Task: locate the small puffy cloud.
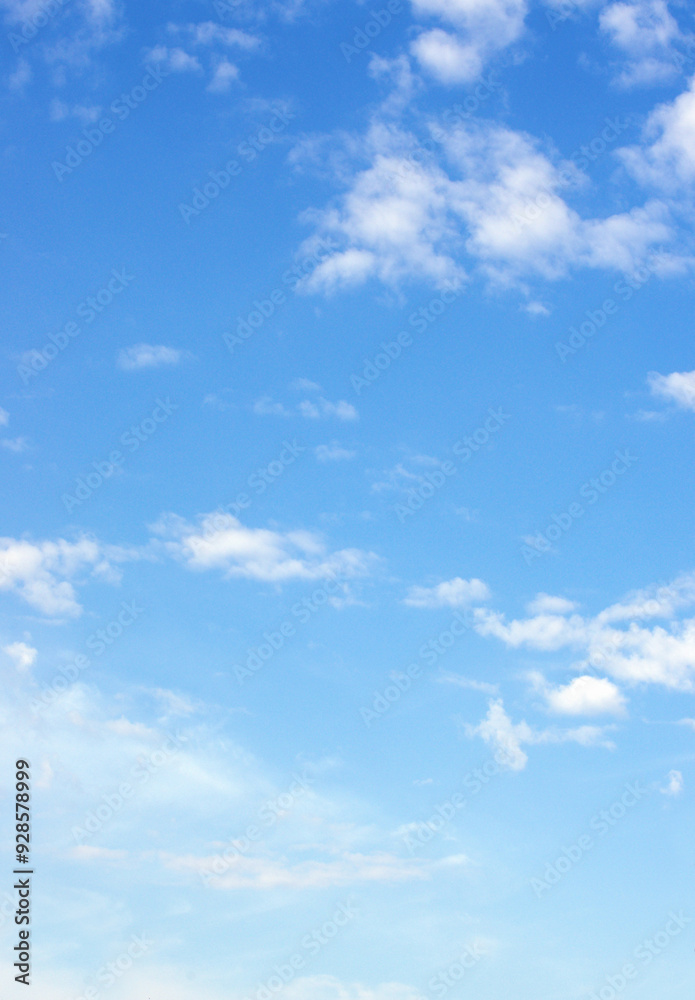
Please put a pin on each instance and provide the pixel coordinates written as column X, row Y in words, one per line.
column 456, row 593
column 675, row 784
column 22, row 655
column 481, row 29
column 21, row 77
column 226, row 73
column 585, row 695
column 678, row 387
column 220, row 541
column 4, row 417
column 148, row 356
column 333, row 452
column 176, row 59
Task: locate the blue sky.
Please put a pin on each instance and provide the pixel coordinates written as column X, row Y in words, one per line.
column 347, row 561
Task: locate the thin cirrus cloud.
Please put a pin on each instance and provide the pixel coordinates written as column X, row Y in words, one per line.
column 141, row 356
column 316, row 409
column 456, row 593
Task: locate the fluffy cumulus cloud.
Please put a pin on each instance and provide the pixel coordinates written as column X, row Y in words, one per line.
column 44, row 573
column 476, row 31
column 678, row 388
column 221, row 541
column 640, row 652
column 486, row 195
column 22, row 655
column 585, row 695
column 666, row 157
column 648, row 37
column 674, row 785
column 507, row 738
column 456, row 593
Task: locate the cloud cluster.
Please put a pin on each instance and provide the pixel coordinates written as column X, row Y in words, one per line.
column 477, row 31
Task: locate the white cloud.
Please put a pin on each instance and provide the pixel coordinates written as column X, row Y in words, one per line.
column 483, row 28
column 209, row 33
column 647, row 34
column 666, row 158
column 678, row 387
column 222, row 542
column 4, row 417
column 545, row 603
column 23, row 656
column 42, row 573
column 507, row 738
column 266, row 873
column 675, row 784
column 226, row 73
column 488, row 193
column 21, row 77
column 59, row 111
column 468, row 683
column 175, row 59
column 319, row 409
column 456, row 593
column 17, row 445
column 333, row 452
column 148, row 356
column 585, row 695
column 660, row 654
